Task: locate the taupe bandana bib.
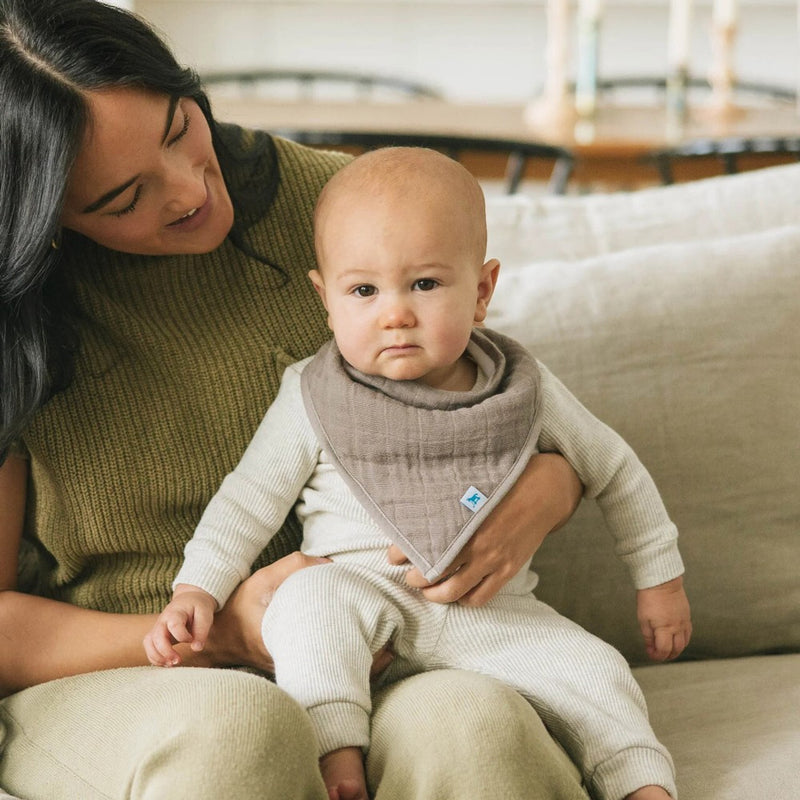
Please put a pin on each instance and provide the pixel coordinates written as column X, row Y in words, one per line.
column 428, row 464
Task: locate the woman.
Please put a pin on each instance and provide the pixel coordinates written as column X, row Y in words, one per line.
column 152, row 278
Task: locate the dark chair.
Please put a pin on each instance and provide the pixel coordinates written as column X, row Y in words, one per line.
column 519, row 154
column 728, row 152
column 701, row 156
column 310, row 84
column 748, row 92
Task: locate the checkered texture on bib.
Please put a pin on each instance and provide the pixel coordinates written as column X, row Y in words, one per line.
column 428, row 464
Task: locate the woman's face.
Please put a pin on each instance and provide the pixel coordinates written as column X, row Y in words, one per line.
column 147, row 179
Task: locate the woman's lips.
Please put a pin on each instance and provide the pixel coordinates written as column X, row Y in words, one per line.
column 193, row 219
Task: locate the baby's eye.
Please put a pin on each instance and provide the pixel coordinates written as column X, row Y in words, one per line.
column 426, row 284
column 364, row 291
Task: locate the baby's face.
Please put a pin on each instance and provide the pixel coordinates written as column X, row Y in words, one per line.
column 403, row 284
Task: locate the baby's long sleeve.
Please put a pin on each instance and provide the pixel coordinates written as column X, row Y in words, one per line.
column 645, row 538
column 253, row 500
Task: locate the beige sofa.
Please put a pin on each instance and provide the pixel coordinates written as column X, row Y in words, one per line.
column 674, row 314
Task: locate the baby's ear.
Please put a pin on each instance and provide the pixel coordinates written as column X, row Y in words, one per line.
column 486, row 284
column 315, row 276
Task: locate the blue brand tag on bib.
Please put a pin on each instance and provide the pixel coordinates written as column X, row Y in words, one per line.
column 473, row 498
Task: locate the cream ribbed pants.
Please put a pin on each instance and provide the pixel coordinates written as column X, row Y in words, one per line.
column 324, row 625
column 201, row 734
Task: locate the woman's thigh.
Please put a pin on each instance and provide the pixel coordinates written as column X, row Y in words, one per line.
column 454, row 735
column 149, row 733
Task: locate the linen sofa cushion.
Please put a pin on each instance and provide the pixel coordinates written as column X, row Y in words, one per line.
column 731, row 725
column 691, row 351
column 524, row 228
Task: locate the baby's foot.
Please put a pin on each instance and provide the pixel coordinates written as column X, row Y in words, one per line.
column 348, row 790
column 650, row 793
column 343, row 773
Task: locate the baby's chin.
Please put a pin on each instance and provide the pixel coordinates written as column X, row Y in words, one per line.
column 401, row 374
column 397, row 371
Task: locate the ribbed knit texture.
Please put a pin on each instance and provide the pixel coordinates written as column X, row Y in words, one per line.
column 410, row 452
column 152, row 734
column 580, row 686
column 180, row 358
column 202, row 734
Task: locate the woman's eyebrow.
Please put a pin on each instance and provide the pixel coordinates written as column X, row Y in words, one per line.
column 173, row 104
column 109, row 196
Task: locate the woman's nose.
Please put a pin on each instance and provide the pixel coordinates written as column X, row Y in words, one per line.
column 185, row 184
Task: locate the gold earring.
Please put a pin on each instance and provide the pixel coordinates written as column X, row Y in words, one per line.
column 54, row 244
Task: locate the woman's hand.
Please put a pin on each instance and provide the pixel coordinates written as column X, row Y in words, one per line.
column 544, row 497
column 235, row 638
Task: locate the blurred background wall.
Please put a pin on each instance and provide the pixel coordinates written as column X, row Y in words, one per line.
column 472, row 50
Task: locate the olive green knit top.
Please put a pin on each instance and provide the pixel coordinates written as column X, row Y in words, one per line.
column 180, row 357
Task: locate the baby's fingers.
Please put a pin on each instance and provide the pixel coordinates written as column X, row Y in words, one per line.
column 178, row 628
column 201, row 625
column 666, row 643
column 158, row 644
column 660, row 645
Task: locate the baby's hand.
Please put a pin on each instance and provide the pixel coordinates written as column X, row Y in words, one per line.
column 186, row 619
column 664, row 619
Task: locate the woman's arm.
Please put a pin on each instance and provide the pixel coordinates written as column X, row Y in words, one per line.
column 544, row 497
column 13, row 480
column 41, row 640
column 45, row 639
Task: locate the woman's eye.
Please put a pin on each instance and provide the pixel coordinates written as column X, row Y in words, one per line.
column 183, row 131
column 364, row 291
column 425, row 284
column 131, row 207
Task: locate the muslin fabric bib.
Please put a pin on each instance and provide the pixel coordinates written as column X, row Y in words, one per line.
column 428, row 464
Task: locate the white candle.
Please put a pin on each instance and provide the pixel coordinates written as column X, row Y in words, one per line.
column 721, row 72
column 798, row 62
column 589, row 10
column 588, row 51
column 679, row 36
column 557, row 51
column 553, row 107
column 724, row 13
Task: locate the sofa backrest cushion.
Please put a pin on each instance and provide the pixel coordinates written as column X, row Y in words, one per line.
column 524, row 228
column 692, row 352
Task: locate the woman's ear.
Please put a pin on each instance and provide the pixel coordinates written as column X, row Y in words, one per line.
column 486, row 284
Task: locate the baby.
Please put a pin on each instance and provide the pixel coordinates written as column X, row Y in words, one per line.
column 407, row 428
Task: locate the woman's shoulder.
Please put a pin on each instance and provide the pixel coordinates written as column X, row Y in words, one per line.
column 308, row 163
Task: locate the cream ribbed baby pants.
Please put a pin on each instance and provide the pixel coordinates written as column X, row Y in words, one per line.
column 324, row 624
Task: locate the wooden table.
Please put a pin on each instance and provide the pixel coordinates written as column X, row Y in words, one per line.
column 609, row 149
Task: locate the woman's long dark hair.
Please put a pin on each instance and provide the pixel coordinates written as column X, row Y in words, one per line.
column 51, row 53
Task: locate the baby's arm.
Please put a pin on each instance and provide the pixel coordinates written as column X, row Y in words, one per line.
column 187, row 619
column 664, row 619
column 645, row 538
